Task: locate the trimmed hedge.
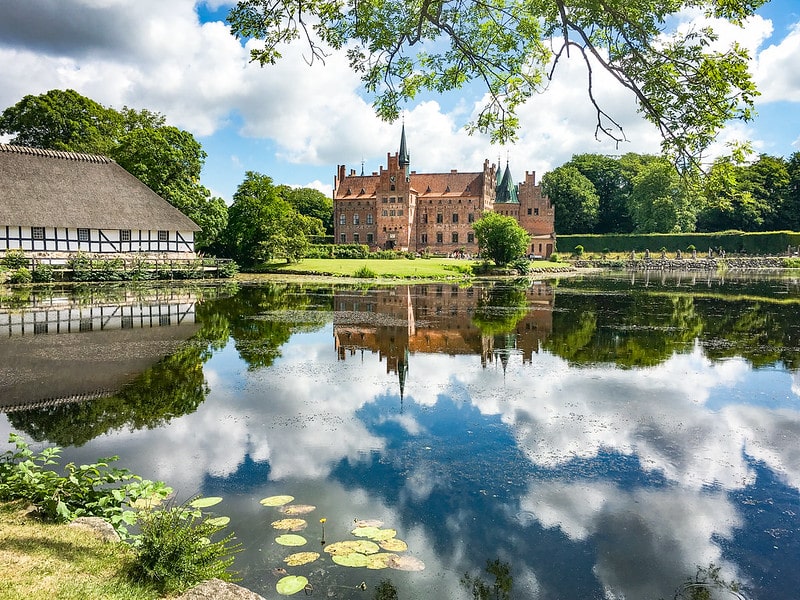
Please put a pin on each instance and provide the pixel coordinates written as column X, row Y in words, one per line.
column 736, row 242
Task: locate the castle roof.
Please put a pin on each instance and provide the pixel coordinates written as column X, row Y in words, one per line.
column 506, row 190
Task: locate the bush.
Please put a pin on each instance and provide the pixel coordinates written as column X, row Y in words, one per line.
column 228, row 269
column 690, row 248
column 521, row 266
column 15, row 259
column 21, row 275
column 174, row 550
column 88, row 490
column 578, row 250
column 554, row 257
column 43, row 273
column 365, row 273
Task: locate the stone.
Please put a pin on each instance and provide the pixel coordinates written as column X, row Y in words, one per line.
column 98, row 527
column 216, row 589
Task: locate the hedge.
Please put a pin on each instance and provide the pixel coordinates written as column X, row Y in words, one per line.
column 736, row 242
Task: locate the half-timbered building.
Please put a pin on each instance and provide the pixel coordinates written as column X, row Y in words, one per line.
column 66, row 202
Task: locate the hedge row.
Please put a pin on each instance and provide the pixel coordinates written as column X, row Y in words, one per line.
column 736, row 242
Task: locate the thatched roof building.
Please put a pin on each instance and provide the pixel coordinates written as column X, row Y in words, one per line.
column 67, row 201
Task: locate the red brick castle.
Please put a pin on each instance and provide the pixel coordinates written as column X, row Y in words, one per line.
column 400, row 209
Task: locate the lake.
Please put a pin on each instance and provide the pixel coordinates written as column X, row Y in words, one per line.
column 602, row 437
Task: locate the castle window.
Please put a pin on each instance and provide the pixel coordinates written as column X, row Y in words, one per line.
column 455, row 237
column 470, row 238
column 439, row 237
column 400, row 213
column 391, row 213
column 369, row 219
column 530, row 211
column 342, row 219
column 471, row 218
column 536, row 211
column 356, row 219
column 455, row 217
column 392, row 199
column 392, row 188
column 370, row 238
column 342, row 237
column 439, row 218
column 423, row 239
column 384, row 199
column 424, row 217
column 355, row 238
column 385, row 213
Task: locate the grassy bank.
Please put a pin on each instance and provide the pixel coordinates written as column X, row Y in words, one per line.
column 58, row 562
column 421, row 268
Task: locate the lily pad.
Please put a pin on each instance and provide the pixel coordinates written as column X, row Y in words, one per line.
column 406, row 563
column 354, row 559
column 369, row 523
column 301, row 558
column 394, row 545
column 348, row 546
column 384, row 534
column 290, row 524
column 297, row 509
column 291, row 584
column 380, row 560
column 365, row 532
column 276, row 500
column 205, row 502
column 219, row 521
column 291, row 539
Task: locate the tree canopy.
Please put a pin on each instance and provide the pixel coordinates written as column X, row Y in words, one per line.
column 683, row 81
column 500, row 237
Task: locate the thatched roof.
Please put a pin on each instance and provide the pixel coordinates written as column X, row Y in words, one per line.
column 48, row 188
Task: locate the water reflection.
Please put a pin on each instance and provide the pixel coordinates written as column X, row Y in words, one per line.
column 604, row 439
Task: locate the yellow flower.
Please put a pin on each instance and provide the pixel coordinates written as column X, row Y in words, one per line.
column 322, row 520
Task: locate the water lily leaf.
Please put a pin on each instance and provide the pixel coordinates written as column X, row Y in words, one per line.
column 383, row 534
column 301, row 558
column 205, row 502
column 291, row 584
column 297, row 509
column 380, row 560
column 276, row 500
column 291, row 539
column 348, row 546
column 369, row 523
column 290, row 524
column 406, row 563
column 219, row 521
column 394, row 545
column 354, row 559
column 366, row 532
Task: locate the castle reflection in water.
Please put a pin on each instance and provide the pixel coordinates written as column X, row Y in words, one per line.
column 404, row 320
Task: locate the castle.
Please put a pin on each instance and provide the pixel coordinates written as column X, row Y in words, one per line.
column 400, row 209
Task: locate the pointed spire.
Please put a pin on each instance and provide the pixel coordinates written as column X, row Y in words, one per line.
column 405, row 157
column 506, row 190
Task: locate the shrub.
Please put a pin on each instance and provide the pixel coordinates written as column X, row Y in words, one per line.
column 174, row 550
column 365, row 273
column 228, row 269
column 690, row 248
column 88, row 490
column 15, row 259
column 21, row 275
column 554, row 257
column 521, row 266
column 43, row 273
column 578, row 250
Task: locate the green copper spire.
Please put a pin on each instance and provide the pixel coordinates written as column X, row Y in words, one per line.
column 506, row 190
column 405, row 157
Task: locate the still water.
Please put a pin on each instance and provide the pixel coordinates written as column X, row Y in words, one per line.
column 603, row 437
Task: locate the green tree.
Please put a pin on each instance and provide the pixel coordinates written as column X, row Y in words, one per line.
column 574, row 199
column 62, row 120
column 263, row 226
column 767, row 182
column 683, row 81
column 501, row 238
column 311, row 203
column 729, row 201
column 659, row 200
column 612, row 189
column 789, row 213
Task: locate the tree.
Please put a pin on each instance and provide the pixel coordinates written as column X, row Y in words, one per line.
column 501, row 238
column 574, row 199
column 612, row 189
column 311, row 203
column 681, row 81
column 659, row 202
column 263, row 226
column 62, row 120
column 790, row 211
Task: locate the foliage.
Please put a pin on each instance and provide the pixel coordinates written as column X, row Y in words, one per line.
column 174, row 549
column 574, row 199
column 500, row 237
column 21, row 275
column 769, row 243
column 15, row 258
column 499, row 311
column 555, row 257
column 578, row 251
column 659, row 199
column 686, row 82
column 311, row 203
column 86, row 490
column 43, row 273
column 365, row 272
column 499, row 590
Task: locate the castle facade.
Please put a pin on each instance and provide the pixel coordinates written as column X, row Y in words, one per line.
column 400, row 209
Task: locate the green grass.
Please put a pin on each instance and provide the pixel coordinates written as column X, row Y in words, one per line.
column 57, row 562
column 421, row 268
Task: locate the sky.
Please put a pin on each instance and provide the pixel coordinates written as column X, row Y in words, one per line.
column 296, row 122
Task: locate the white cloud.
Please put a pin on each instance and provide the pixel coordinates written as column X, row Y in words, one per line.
column 777, row 75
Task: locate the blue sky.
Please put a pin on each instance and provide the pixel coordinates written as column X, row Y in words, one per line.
column 295, row 123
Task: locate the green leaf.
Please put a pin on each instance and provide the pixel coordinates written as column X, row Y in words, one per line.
column 291, row 584
column 205, row 502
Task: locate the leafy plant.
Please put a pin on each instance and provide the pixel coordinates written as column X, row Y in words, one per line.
column 87, row 490
column 43, row 273
column 554, row 257
column 365, row 273
column 21, row 275
column 15, row 258
column 174, row 549
column 578, row 251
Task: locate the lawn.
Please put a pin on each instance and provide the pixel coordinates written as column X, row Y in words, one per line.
column 421, row 268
